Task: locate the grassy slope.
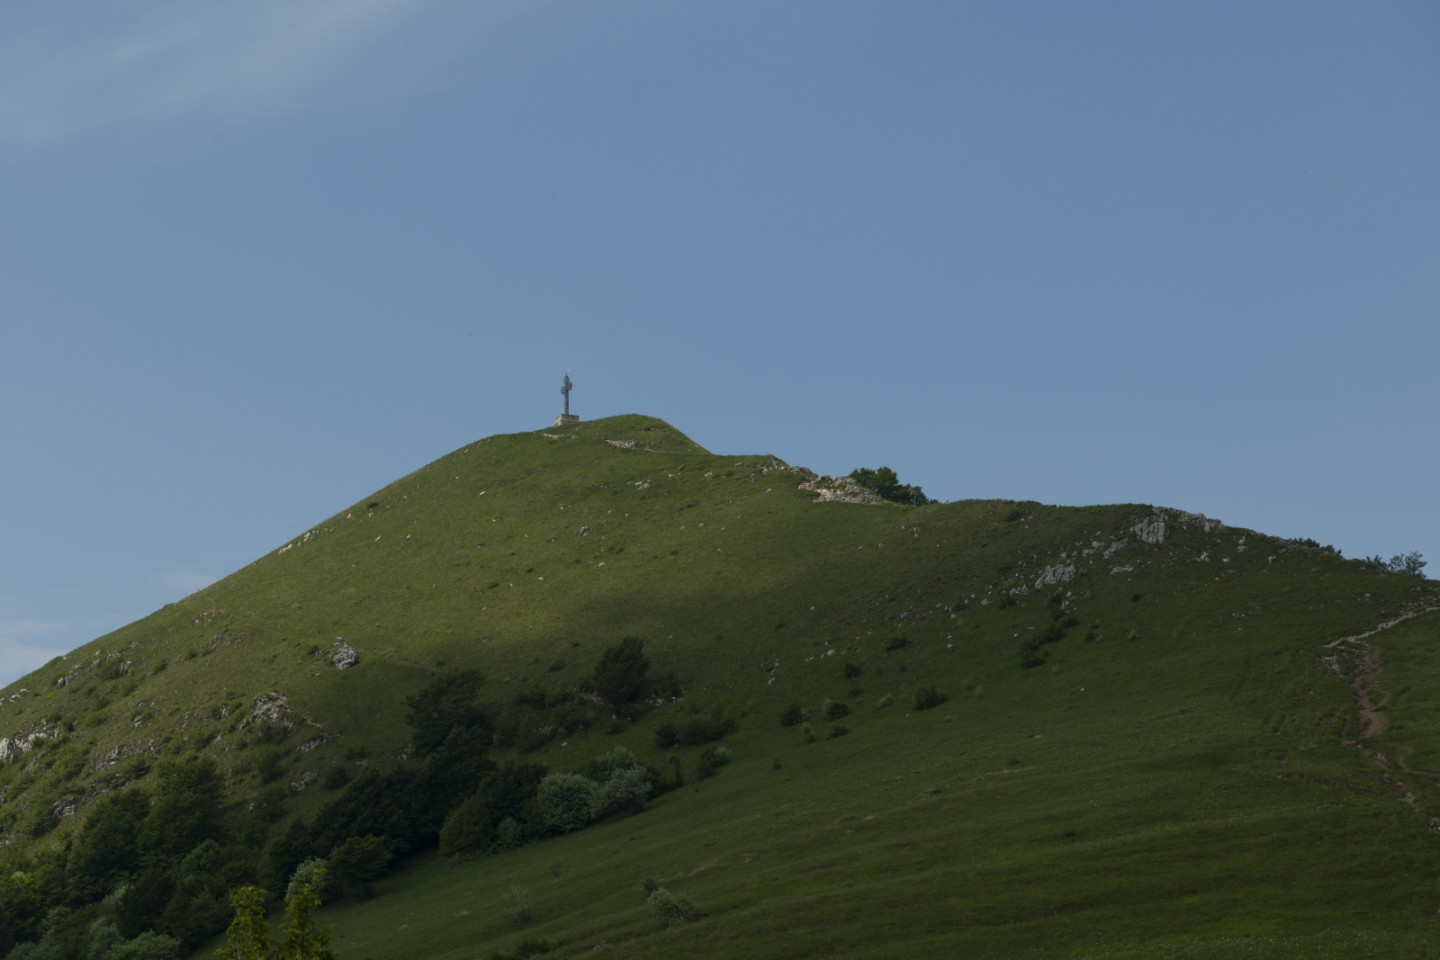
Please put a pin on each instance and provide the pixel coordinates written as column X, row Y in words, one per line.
column 1182, row 784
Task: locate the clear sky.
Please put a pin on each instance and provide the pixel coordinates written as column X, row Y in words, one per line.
column 258, row 260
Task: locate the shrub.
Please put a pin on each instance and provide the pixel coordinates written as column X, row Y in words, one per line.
column 270, row 766
column 447, row 702
column 525, row 949
column 335, row 778
column 927, row 697
column 519, row 901
column 898, row 643
column 835, row 710
column 707, row 729
column 148, row 945
column 667, row 735
column 620, row 676
column 672, row 909
column 603, row 766
column 509, row 834
column 807, row 733
column 564, row 801
column 1410, row 564
column 624, row 792
column 359, row 860
column 792, row 715
column 883, row 481
column 711, row 760
column 839, row 730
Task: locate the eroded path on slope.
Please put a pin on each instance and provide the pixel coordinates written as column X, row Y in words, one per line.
column 1361, row 662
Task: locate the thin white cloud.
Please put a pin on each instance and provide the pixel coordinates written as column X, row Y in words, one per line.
column 67, row 69
column 20, row 656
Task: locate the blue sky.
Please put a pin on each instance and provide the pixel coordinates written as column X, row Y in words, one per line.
column 258, row 260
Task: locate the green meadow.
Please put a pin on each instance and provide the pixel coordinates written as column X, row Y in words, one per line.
column 1024, row 730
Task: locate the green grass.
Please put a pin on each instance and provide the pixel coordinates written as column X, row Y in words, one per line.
column 1178, row 777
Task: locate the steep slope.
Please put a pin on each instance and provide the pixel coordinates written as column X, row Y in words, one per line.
column 1160, row 731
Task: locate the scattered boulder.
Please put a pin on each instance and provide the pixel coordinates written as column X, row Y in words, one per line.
column 345, row 656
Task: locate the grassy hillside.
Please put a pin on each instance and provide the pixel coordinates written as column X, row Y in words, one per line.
column 1163, row 736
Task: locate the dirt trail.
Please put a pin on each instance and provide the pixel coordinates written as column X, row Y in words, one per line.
column 1365, row 666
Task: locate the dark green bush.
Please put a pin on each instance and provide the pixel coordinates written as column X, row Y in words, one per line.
column 886, row 483
column 672, row 909
column 711, row 760
column 792, row 716
column 565, row 801
column 667, row 735
column 927, row 697
column 446, row 703
column 700, row 730
column 270, row 765
column 359, row 860
column 836, row 709
column 620, row 676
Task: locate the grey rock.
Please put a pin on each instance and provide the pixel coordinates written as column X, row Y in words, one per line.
column 345, row 656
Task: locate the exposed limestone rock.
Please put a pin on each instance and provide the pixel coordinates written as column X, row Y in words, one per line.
column 269, row 707
column 1159, row 525
column 835, row 489
column 1150, row 530
column 1058, row 573
column 63, row 807
column 345, row 656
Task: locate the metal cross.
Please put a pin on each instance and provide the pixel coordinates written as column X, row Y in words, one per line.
column 565, row 389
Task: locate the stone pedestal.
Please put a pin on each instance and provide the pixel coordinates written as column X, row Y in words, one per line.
column 566, row 418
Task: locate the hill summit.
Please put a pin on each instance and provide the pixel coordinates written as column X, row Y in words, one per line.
column 864, row 728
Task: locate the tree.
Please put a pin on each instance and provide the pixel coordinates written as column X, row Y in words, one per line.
column 883, row 481
column 248, row 937
column 359, row 860
column 186, row 808
column 109, row 843
column 565, row 801
column 1409, row 564
column 443, row 705
column 620, row 676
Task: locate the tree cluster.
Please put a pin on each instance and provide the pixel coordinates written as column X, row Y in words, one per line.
column 883, row 481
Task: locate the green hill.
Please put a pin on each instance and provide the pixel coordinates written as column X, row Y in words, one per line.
column 1113, row 731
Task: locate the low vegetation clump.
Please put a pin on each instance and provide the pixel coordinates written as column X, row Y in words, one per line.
column 671, row 909
column 929, row 697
